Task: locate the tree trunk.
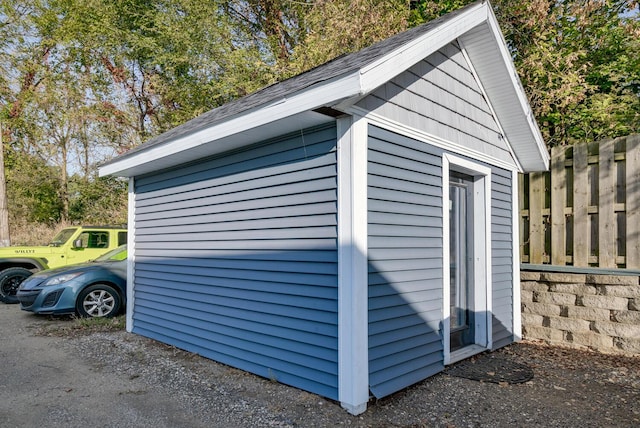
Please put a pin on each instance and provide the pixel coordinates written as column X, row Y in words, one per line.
column 64, row 183
column 5, row 239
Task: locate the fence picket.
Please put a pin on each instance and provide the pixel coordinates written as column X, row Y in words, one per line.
column 632, row 194
column 607, row 229
column 558, row 202
column 580, row 206
column 592, row 216
column 536, row 219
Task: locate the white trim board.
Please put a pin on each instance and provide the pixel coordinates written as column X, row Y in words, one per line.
column 353, row 343
column 405, row 57
column 131, row 254
column 416, row 134
column 234, row 132
column 517, row 310
column 482, row 301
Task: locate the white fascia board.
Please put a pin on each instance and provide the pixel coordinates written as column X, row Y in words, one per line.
column 322, row 94
column 403, row 58
column 490, row 104
column 519, row 89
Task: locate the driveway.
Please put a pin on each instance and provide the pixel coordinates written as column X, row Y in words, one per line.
column 115, row 379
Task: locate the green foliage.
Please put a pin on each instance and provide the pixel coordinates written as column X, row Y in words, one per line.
column 338, row 27
column 98, row 200
column 33, row 190
column 579, row 65
column 81, row 81
column 424, row 11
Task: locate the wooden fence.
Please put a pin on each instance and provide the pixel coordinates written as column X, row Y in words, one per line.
column 586, row 210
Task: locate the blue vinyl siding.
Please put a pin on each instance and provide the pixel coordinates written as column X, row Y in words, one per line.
column 405, row 261
column 236, row 259
column 502, row 257
column 441, row 96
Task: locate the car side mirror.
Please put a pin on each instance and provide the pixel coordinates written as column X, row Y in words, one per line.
column 77, row 243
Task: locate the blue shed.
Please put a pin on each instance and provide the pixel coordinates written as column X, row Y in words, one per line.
column 349, row 231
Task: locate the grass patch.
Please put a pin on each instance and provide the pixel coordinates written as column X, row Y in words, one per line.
column 74, row 326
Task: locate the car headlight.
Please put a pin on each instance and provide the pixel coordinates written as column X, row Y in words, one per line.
column 61, row 278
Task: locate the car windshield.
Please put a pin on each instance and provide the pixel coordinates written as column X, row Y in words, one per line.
column 62, row 237
column 114, row 255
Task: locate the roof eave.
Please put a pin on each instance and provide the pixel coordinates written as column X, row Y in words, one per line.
column 295, row 112
column 505, row 93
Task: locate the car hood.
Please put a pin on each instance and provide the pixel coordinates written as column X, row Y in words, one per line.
column 39, row 277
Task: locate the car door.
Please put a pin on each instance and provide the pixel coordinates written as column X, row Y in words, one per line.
column 89, row 245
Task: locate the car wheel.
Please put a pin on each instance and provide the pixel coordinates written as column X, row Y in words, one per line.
column 10, row 280
column 98, row 301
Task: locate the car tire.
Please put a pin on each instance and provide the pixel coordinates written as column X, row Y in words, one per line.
column 10, row 280
column 98, row 301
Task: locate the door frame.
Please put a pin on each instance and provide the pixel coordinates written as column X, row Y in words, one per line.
column 481, row 247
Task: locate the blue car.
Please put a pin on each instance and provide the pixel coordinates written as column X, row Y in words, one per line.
column 94, row 289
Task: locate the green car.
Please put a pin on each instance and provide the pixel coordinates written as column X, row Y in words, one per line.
column 71, row 245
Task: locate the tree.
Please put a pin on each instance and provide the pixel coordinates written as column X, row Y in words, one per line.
column 162, row 62
column 98, row 200
column 33, row 190
column 5, row 237
column 577, row 61
column 12, row 36
column 333, row 28
column 83, row 80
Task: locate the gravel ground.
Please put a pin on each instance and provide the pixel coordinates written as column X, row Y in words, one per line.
column 179, row 389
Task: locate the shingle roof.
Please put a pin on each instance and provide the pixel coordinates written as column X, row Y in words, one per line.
column 339, row 66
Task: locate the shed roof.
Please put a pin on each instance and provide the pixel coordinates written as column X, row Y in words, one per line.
column 297, row 103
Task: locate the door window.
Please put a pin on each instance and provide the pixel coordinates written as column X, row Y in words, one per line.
column 461, row 259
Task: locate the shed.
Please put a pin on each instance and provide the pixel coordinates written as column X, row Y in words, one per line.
column 349, row 231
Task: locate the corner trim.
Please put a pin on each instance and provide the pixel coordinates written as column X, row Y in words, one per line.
column 515, row 226
column 131, row 222
column 353, row 340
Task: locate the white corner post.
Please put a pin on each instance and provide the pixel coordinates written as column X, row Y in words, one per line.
column 515, row 225
column 131, row 252
column 353, row 353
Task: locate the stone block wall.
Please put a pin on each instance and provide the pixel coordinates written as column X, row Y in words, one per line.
column 600, row 312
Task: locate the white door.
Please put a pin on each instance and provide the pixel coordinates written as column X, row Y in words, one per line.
column 467, row 255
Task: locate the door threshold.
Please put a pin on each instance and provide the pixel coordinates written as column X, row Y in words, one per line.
column 464, row 353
